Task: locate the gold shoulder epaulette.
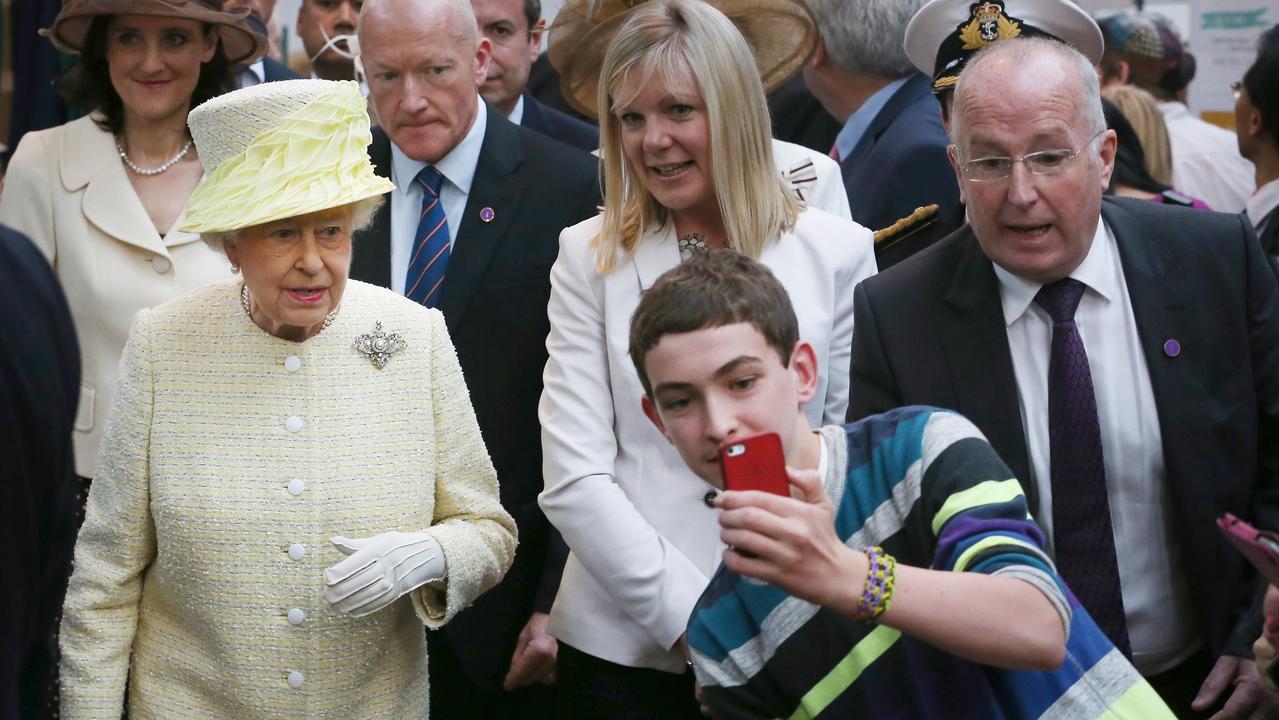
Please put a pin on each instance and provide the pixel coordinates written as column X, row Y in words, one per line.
column 911, row 222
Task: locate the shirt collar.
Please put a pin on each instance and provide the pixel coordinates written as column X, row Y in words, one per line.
column 258, row 69
column 457, row 167
column 859, row 122
column 1017, row 293
column 1173, row 109
column 517, row 115
column 1263, row 202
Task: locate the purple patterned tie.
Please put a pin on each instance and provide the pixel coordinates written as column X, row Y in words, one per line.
column 1082, row 535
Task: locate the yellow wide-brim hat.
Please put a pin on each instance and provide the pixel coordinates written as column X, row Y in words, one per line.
column 278, row 150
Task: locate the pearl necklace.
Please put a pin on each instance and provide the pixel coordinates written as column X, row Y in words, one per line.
column 152, row 171
column 244, row 303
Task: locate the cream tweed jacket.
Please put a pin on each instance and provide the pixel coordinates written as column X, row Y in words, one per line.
column 231, row 458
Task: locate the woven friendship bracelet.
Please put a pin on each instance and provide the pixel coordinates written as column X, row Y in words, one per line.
column 881, row 574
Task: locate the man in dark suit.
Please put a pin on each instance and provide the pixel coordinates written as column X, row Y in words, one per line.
column 506, row 192
column 1257, row 129
column 892, row 147
column 39, row 390
column 1123, row 357
column 514, row 31
column 266, row 69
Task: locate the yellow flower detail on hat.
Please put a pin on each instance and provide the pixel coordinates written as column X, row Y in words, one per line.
column 279, row 150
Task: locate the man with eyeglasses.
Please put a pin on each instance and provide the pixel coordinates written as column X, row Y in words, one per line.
column 1122, row 356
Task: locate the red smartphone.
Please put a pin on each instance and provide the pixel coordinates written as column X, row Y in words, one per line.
column 1261, row 547
column 754, row 463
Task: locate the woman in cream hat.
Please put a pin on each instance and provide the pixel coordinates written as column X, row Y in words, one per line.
column 687, row 165
column 102, row 195
column 293, row 481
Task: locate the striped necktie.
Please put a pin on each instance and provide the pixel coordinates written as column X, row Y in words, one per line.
column 431, row 243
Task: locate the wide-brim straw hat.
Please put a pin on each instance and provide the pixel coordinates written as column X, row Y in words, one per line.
column 279, row 150
column 944, row 34
column 781, row 34
column 240, row 42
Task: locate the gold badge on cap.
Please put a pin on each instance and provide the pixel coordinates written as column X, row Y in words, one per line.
column 988, row 24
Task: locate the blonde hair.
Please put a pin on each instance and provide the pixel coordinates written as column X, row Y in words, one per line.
column 1142, row 111
column 670, row 39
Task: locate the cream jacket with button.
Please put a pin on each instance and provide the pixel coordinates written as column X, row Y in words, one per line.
column 643, row 543
column 67, row 190
column 224, row 475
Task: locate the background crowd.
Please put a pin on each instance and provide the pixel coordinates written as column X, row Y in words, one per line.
column 397, row 390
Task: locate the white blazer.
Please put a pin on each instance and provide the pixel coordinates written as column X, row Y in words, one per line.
column 644, row 544
column 67, row 190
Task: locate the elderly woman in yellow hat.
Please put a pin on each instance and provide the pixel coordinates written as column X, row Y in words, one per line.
column 293, row 481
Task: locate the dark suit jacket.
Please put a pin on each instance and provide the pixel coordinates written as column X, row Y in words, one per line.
column 39, row 390
column 1269, row 238
column 494, row 300
column 553, row 123
column 931, row 331
column 900, row 163
column 273, row 70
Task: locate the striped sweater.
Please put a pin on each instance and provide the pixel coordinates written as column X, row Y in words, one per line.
column 925, row 485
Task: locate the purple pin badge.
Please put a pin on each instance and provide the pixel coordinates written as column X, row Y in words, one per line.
column 486, row 214
column 1172, row 348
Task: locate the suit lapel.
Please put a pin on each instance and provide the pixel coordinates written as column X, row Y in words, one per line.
column 655, row 253
column 89, row 160
column 1159, row 309
column 981, row 365
column 495, row 196
column 907, row 94
column 371, row 255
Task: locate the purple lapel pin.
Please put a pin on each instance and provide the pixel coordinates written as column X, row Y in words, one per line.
column 1172, row 348
column 486, row 214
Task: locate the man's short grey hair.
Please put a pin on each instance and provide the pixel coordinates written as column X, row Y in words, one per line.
column 463, row 14
column 1020, row 51
column 865, row 37
column 362, row 214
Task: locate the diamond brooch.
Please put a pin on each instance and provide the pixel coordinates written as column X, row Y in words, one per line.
column 380, row 346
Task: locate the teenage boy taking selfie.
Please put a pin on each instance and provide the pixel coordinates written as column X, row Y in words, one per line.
column 902, row 577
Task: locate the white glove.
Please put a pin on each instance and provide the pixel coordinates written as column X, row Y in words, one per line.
column 380, row 570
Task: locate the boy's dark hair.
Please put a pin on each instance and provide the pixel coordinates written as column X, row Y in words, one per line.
column 713, row 289
column 87, row 84
column 1262, row 81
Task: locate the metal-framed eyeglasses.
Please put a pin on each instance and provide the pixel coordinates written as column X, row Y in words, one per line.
column 1042, row 162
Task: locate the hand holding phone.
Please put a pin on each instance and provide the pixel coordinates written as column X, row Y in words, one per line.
column 1261, row 547
column 754, row 463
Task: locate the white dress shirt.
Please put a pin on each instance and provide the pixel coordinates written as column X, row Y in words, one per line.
column 1206, row 163
column 1263, row 202
column 517, row 114
column 458, row 169
column 1161, row 627
column 253, row 74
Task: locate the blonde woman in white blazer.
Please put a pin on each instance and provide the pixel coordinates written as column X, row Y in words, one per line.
column 102, row 196
column 644, row 543
column 293, row 480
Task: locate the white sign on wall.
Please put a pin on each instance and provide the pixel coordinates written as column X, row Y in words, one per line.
column 1223, row 39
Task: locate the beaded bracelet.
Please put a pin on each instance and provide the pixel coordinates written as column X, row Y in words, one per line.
column 881, row 575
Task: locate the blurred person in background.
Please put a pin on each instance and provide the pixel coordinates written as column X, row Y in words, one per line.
column 1147, row 122
column 1257, row 125
column 268, row 68
column 1144, row 49
column 1131, row 176
column 514, row 30
column 325, row 27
